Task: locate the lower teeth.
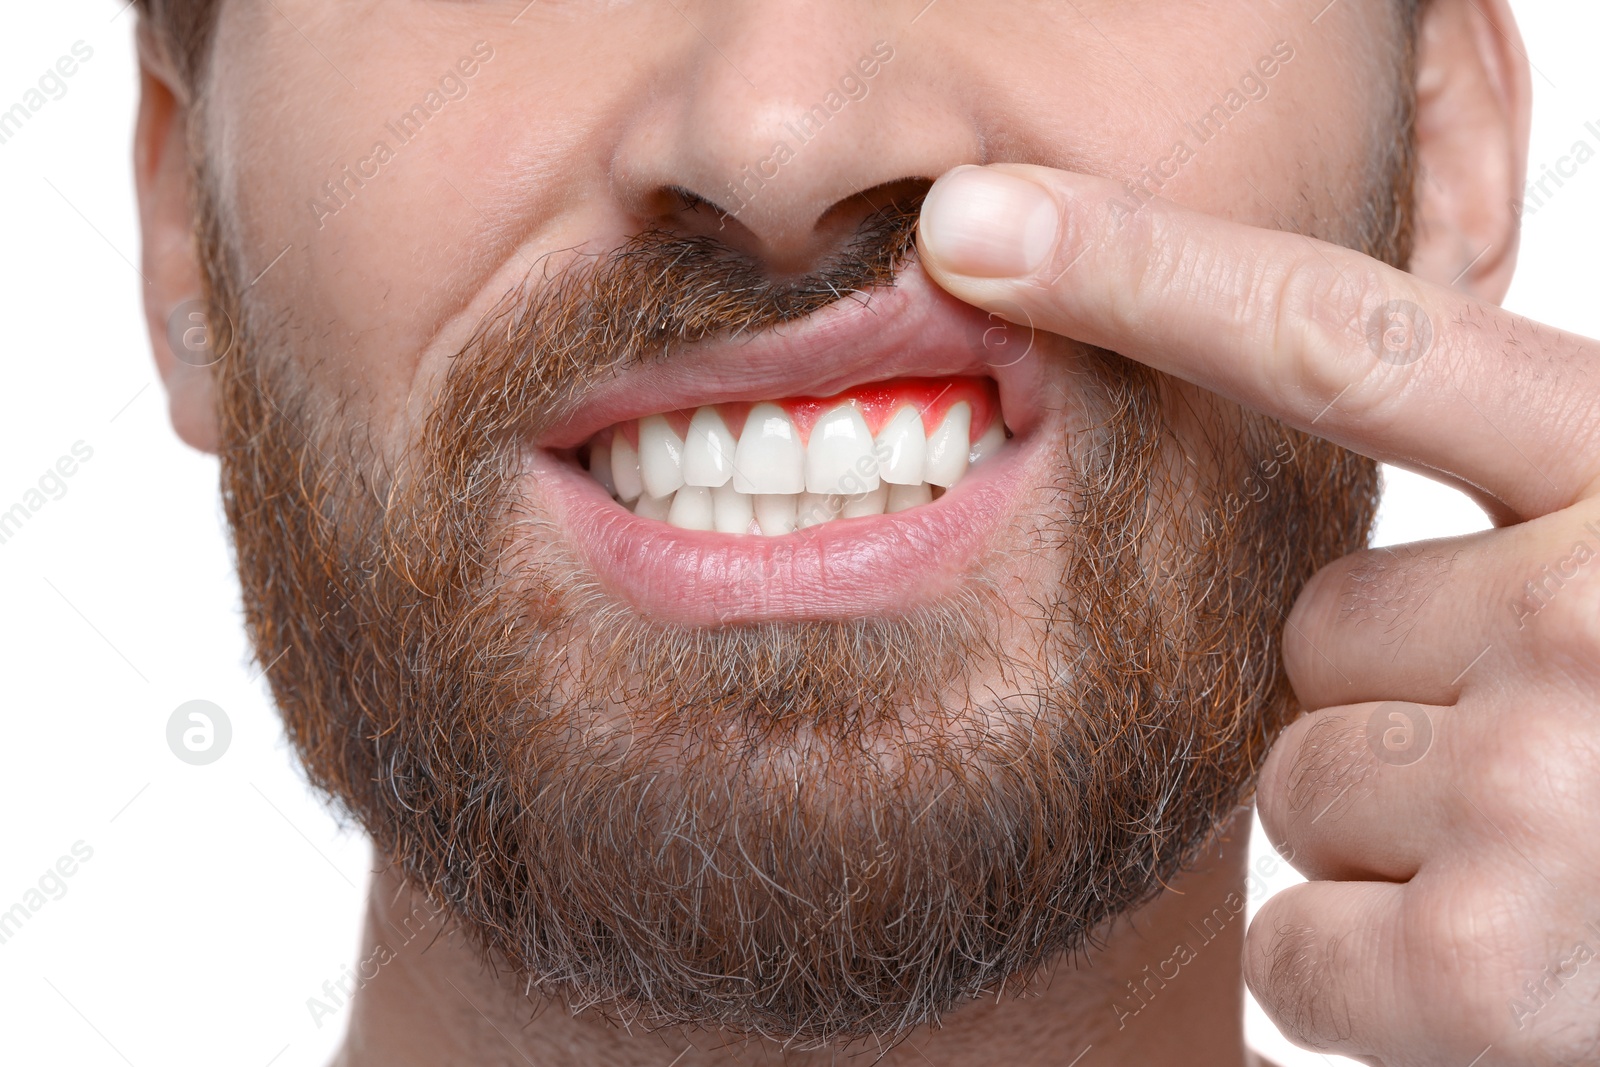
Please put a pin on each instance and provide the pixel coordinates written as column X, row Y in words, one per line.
column 726, row 510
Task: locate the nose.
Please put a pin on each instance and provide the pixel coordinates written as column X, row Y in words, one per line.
column 793, row 120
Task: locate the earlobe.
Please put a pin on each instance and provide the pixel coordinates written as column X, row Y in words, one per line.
column 169, row 257
column 1474, row 105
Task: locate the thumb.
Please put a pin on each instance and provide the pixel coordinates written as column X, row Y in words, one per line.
column 1009, row 237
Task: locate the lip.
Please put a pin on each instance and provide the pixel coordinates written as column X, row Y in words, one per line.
column 913, row 329
column 882, row 565
column 847, row 568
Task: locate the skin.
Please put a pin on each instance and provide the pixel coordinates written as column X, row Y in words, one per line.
column 1417, row 929
column 1437, row 796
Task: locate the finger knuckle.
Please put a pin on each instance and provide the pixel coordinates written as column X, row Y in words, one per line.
column 1558, row 609
column 1318, row 325
column 1160, row 259
column 1466, row 936
column 1530, row 773
column 1465, row 930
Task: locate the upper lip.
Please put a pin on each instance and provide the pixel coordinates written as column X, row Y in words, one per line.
column 913, row 329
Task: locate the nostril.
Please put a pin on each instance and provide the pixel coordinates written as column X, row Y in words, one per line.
column 902, row 197
column 686, row 212
column 876, row 224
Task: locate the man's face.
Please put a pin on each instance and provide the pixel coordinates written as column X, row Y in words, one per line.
column 805, row 779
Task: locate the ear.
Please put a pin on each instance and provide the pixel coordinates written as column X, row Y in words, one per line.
column 1474, row 110
column 173, row 307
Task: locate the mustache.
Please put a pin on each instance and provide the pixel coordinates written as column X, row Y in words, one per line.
column 533, row 357
column 445, row 673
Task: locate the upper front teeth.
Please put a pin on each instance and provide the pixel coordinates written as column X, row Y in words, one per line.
column 902, row 447
column 948, row 448
column 770, row 457
column 660, row 456
column 626, row 473
column 839, row 456
column 708, row 450
column 988, row 444
column 766, row 481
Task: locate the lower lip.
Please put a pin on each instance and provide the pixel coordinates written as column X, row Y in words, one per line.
column 882, row 565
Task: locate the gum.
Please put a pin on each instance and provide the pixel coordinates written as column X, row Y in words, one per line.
column 877, row 402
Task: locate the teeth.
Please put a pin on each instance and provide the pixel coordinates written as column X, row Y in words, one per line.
column 814, row 509
column 600, row 466
column 775, row 513
column 691, row 509
column 864, row 504
column 839, row 455
column 708, row 450
column 732, row 510
column 988, row 444
column 902, row 497
column 900, row 448
column 625, row 469
column 764, row 481
column 948, row 447
column 770, row 458
column 653, row 507
column 660, row 456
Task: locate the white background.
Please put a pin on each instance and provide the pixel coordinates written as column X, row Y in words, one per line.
column 219, row 898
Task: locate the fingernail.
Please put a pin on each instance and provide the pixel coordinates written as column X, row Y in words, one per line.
column 986, row 224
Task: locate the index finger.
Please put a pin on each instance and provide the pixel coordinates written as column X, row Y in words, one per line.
column 1317, row 335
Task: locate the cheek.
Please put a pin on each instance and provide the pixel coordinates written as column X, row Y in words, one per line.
column 378, row 224
column 1187, row 112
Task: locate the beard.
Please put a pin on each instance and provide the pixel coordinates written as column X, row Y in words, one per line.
column 813, row 830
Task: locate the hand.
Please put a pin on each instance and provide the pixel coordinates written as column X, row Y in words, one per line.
column 1445, row 796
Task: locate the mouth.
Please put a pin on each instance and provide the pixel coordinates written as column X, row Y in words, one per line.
column 859, row 462
column 773, row 467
